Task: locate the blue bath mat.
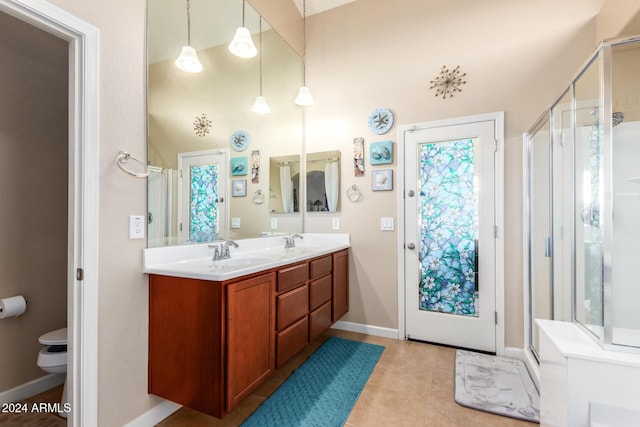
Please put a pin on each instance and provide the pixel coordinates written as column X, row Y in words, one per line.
column 323, row 390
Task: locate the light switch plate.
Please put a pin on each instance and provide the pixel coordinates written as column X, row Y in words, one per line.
column 235, row 222
column 136, row 226
column 274, row 223
column 386, row 224
column 335, row 223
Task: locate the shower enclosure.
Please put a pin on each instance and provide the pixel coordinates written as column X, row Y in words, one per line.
column 582, row 225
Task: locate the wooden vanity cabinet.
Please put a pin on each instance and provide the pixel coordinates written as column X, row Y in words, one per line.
column 213, row 343
column 340, row 301
column 210, row 343
column 250, row 339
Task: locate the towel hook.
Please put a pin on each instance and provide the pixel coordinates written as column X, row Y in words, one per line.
column 124, row 157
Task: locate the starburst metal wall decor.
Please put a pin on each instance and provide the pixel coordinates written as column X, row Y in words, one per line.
column 202, row 125
column 447, row 83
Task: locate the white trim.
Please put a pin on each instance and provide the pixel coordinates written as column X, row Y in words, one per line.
column 82, row 317
column 533, row 366
column 154, row 415
column 498, row 117
column 361, row 328
column 31, row 388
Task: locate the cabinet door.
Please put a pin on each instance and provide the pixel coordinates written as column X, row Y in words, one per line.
column 250, row 336
column 340, row 284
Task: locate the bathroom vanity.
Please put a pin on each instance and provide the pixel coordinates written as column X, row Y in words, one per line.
column 218, row 330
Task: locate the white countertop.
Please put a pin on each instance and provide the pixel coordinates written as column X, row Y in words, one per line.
column 253, row 255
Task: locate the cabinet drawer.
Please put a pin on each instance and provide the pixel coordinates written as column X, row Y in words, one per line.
column 289, row 278
column 292, row 306
column 320, row 266
column 320, row 320
column 292, row 340
column 319, row 292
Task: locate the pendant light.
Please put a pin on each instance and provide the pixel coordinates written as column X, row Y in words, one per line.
column 304, row 97
column 188, row 60
column 242, row 43
column 261, row 106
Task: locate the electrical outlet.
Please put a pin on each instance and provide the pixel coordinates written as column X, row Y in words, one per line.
column 274, row 223
column 136, row 226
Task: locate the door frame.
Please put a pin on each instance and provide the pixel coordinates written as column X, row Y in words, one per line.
column 83, row 208
column 498, row 118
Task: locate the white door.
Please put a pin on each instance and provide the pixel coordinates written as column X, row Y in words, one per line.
column 450, row 269
column 202, row 194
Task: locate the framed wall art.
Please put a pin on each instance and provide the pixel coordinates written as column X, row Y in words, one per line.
column 382, row 180
column 239, row 166
column 238, row 187
column 381, row 153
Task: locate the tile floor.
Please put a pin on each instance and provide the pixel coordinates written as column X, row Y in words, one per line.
column 412, row 385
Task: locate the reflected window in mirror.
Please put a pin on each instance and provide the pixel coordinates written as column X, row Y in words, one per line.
column 323, row 181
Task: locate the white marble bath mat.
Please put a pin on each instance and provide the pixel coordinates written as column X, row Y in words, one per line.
column 496, row 384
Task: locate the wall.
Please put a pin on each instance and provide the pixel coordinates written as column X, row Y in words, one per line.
column 380, row 53
column 33, row 190
column 123, row 292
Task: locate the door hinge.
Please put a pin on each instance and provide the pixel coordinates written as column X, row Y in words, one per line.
column 495, row 231
column 79, row 274
column 180, row 173
column 496, row 313
column 180, row 226
column 495, row 145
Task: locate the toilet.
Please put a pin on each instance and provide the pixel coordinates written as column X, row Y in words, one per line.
column 53, row 359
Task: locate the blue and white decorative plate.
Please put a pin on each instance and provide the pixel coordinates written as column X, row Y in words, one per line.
column 240, row 140
column 380, row 121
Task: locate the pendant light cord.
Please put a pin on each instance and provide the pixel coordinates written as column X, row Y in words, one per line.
column 188, row 23
column 243, row 1
column 260, row 29
column 304, row 42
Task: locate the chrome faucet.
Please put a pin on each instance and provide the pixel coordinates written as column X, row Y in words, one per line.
column 289, row 241
column 221, row 251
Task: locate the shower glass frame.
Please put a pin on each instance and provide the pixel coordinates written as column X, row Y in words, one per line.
column 570, row 284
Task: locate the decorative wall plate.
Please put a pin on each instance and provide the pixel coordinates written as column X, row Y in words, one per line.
column 380, row 121
column 240, row 140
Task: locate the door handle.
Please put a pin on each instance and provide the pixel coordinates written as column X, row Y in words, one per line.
column 412, row 193
column 411, row 246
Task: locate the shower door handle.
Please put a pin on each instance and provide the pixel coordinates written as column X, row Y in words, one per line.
column 547, row 247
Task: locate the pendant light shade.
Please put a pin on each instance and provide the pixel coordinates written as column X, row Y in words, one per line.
column 261, row 106
column 304, row 98
column 188, row 60
column 242, row 43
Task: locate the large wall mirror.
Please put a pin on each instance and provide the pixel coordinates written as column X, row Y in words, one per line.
column 209, row 153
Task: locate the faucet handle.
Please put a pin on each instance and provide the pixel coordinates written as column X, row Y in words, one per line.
column 216, row 252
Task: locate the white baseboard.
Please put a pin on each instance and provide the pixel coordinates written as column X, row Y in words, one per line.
column 514, row 353
column 32, row 388
column 154, row 415
column 366, row 329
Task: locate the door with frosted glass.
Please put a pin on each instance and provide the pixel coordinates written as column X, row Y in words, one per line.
column 449, row 236
column 202, row 211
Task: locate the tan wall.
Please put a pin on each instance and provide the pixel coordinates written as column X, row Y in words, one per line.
column 380, row 53
column 33, row 192
column 618, row 18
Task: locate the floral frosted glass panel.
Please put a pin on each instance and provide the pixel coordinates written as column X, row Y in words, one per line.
column 203, row 217
column 448, row 220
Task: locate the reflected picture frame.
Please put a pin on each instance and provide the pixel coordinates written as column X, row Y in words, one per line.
column 381, row 153
column 238, row 188
column 239, row 166
column 382, row 180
